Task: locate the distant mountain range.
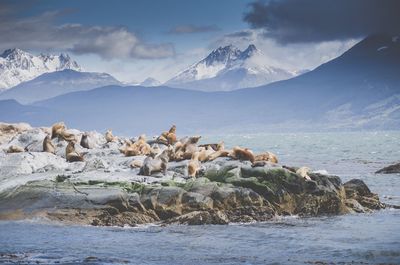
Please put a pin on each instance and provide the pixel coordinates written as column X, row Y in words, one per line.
column 17, row 66
column 228, row 68
column 358, row 90
column 57, row 83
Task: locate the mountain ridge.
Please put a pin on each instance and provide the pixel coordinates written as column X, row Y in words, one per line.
column 56, row 83
column 228, row 68
column 17, row 66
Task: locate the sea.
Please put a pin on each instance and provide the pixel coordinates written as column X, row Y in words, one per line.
column 372, row 238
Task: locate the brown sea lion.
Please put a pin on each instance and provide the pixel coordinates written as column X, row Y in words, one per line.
column 190, row 147
column 168, row 138
column 194, row 165
column 243, row 154
column 213, row 146
column 140, row 147
column 66, row 136
column 267, row 156
column 48, row 146
column 130, row 151
column 56, row 129
column 15, row 149
column 204, row 153
column 158, row 164
column 220, row 152
column 71, row 154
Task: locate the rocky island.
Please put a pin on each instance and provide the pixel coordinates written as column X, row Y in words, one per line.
column 107, row 183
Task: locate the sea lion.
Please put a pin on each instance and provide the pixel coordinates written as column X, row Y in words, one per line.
column 303, row 172
column 66, row 136
column 155, row 150
column 130, row 151
column 140, row 147
column 56, row 129
column 243, row 154
column 85, row 141
column 194, row 165
column 220, row 152
column 15, row 149
column 190, row 147
column 48, row 146
column 267, row 156
column 213, row 146
column 71, row 154
column 168, row 138
column 110, row 137
column 158, row 164
column 205, row 153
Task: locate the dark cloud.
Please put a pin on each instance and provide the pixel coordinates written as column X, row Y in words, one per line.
column 41, row 33
column 240, row 34
column 291, row 21
column 188, row 29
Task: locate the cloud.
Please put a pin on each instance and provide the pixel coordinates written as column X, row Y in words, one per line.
column 293, row 21
column 188, row 29
column 41, row 33
column 291, row 56
column 240, row 34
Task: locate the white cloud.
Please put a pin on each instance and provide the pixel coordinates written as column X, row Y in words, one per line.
column 41, row 33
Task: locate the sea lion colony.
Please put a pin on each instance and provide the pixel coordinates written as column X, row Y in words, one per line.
column 158, row 151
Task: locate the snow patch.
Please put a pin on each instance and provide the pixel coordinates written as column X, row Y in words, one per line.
column 381, row 48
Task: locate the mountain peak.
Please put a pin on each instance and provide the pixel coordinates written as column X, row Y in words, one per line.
column 17, row 66
column 228, row 68
column 251, row 49
column 150, row 81
column 223, row 54
column 12, row 52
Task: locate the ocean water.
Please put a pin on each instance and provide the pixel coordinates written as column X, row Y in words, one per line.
column 372, row 238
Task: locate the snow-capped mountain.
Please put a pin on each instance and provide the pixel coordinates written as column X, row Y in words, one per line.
column 228, row 68
column 17, row 66
column 150, row 82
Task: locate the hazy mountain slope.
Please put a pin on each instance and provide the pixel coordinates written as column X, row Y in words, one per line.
column 150, row 82
column 17, row 66
column 12, row 111
column 57, row 83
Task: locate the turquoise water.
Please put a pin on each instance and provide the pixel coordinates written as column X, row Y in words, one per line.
column 349, row 239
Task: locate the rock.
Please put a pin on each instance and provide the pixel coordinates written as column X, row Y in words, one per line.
column 192, row 201
column 355, row 206
column 8, row 131
column 200, row 218
column 392, row 169
column 356, row 189
column 105, row 190
column 29, row 163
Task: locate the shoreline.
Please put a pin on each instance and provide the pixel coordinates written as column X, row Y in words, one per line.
column 104, row 190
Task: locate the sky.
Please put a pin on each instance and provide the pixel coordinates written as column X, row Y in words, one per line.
column 133, row 40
